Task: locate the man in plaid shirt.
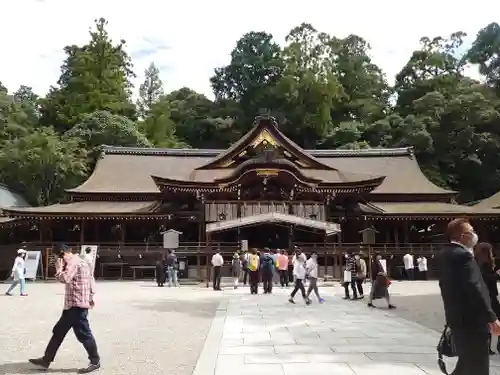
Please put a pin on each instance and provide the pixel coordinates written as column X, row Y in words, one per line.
column 75, row 273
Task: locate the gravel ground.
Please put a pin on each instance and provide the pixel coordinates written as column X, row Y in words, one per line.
column 140, row 328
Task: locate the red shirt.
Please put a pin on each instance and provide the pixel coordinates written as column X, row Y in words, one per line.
column 79, row 282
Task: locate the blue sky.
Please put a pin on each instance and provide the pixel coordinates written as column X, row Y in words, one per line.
column 188, row 39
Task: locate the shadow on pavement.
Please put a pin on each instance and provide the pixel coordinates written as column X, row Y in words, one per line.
column 425, row 309
column 28, row 368
column 198, row 308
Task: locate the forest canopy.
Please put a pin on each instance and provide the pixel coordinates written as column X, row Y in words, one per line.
column 325, row 92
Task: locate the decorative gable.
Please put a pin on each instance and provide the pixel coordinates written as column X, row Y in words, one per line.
column 263, row 137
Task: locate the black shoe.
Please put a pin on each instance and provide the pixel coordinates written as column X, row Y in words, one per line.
column 346, row 297
column 391, row 307
column 91, row 367
column 371, row 305
column 492, row 352
column 291, row 300
column 40, row 362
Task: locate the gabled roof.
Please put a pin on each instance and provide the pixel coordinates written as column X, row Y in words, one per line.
column 128, row 170
column 131, row 170
column 264, row 130
column 490, row 202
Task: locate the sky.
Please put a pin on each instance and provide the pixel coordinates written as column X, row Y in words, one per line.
column 187, row 39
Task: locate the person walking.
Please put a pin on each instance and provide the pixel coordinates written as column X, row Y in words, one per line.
column 283, row 268
column 244, row 265
column 18, row 274
column 350, row 274
column 160, row 271
column 74, row 272
column 253, row 269
column 217, row 262
column 422, row 267
column 267, row 267
column 380, row 286
column 312, row 271
column 466, row 300
column 299, row 274
column 409, row 266
column 236, row 270
column 361, row 275
column 172, row 268
column 483, row 253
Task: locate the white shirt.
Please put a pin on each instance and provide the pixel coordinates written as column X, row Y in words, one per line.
column 312, row 268
column 299, row 269
column 408, row 262
column 217, row 260
column 18, row 268
column 422, row 264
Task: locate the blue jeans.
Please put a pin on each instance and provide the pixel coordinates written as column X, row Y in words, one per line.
column 172, row 276
column 22, row 284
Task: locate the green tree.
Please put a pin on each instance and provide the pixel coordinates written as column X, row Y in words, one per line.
column 150, row 90
column 41, row 165
column 104, row 128
column 309, row 87
column 485, row 51
column 256, row 67
column 200, row 122
column 94, row 77
column 159, row 127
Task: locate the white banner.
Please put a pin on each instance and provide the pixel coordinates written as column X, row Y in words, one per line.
column 93, row 253
column 32, row 262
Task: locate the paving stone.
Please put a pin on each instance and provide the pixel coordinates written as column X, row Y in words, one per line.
column 275, row 358
column 317, row 369
column 402, row 357
column 246, row 349
column 386, row 369
column 250, row 369
column 302, row 349
column 383, row 349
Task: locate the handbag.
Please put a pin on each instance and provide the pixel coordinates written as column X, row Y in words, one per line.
column 445, row 348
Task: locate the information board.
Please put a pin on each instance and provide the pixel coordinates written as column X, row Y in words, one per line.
column 171, row 239
column 93, row 253
column 32, row 263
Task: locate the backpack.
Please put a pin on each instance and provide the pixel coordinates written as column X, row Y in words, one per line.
column 268, row 262
column 253, row 263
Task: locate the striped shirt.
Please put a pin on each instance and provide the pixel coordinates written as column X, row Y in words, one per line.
column 79, row 282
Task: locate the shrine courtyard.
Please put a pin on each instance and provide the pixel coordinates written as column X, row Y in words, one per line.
column 191, row 330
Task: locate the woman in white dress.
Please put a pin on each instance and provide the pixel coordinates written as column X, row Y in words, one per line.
column 18, row 272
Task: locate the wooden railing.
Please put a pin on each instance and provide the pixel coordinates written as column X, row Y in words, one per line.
column 229, row 247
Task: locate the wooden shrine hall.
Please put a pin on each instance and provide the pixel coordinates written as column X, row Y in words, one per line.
column 264, row 189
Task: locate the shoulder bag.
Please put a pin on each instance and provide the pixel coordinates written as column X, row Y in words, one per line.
column 445, row 348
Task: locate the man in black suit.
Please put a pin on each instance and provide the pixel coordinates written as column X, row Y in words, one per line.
column 466, row 300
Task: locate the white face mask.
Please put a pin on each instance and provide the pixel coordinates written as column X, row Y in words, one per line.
column 357, row 257
column 346, row 256
column 475, row 239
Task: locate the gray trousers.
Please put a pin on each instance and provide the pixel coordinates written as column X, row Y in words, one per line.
column 313, row 286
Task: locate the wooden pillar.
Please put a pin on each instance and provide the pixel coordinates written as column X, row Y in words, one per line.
column 82, row 231
column 406, row 233
column 201, row 235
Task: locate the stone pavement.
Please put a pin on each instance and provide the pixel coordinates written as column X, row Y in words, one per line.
column 140, row 328
column 264, row 334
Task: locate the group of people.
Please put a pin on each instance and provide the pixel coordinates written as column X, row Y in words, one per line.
column 355, row 274
column 415, row 271
column 166, row 269
column 264, row 266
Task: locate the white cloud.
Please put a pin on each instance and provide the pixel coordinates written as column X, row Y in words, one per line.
column 195, row 36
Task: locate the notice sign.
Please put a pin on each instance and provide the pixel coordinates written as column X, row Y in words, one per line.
column 32, row 262
column 93, row 253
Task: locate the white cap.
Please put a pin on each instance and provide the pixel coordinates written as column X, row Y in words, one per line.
column 21, row 251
